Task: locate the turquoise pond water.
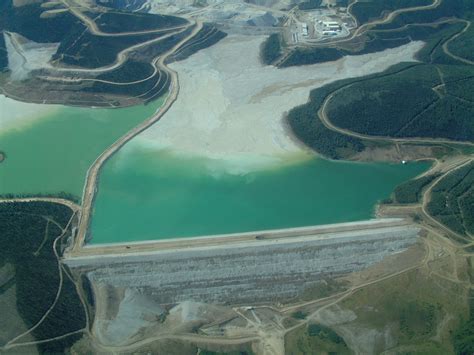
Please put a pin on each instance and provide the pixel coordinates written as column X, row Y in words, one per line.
column 146, row 194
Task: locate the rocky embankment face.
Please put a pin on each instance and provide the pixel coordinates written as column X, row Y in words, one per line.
column 247, row 272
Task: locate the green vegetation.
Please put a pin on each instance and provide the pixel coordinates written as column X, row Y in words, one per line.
column 145, row 84
column 463, row 46
column 317, row 330
column 306, row 125
column 3, row 54
column 463, row 337
column 417, row 319
column 406, row 104
column 430, row 100
column 411, row 191
column 366, row 11
column 237, row 352
column 309, row 4
column 314, row 339
column 324, row 288
column 419, row 25
column 28, row 234
column 308, row 128
column 306, row 56
column 452, row 200
column 78, row 47
column 409, row 310
column 81, row 48
column 375, row 40
column 117, row 22
column 62, row 194
column 27, row 21
column 299, row 315
column 271, row 49
column 447, row 8
column 374, row 43
column 205, row 38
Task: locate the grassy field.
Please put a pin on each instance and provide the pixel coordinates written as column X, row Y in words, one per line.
column 408, row 104
column 314, row 339
column 406, row 312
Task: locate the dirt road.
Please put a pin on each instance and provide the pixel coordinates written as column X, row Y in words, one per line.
column 90, row 188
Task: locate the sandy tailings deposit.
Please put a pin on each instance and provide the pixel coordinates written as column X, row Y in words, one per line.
column 15, row 114
column 231, row 107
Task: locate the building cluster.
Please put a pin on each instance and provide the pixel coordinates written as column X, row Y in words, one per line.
column 331, row 28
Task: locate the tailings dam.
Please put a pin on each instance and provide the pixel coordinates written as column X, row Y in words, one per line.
column 243, row 269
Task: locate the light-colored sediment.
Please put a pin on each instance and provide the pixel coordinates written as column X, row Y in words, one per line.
column 25, row 55
column 231, row 107
column 16, row 114
column 249, row 270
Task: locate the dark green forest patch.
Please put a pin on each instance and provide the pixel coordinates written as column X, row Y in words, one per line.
column 411, row 191
column 463, row 46
column 366, row 11
column 406, row 104
column 28, row 234
column 452, row 200
column 118, row 22
column 271, row 49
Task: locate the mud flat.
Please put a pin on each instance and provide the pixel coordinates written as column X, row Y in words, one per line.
column 231, row 107
column 245, row 269
column 16, row 115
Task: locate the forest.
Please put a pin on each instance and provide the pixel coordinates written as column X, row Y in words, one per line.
column 206, row 37
column 452, row 200
column 28, row 233
column 406, row 104
column 463, row 46
column 83, row 49
column 430, row 100
column 306, row 125
column 118, row 22
column 3, row 55
column 271, row 49
column 411, row 191
column 309, row 5
column 27, row 21
column 366, row 11
column 463, row 338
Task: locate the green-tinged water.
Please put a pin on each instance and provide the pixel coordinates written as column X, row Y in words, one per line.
column 146, row 194
column 51, row 154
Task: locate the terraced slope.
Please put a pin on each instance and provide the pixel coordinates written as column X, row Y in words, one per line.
column 105, row 57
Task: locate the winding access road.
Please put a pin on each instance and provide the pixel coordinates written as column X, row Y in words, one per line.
column 90, row 188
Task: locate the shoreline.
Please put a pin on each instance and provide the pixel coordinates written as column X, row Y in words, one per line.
column 226, row 240
column 17, row 115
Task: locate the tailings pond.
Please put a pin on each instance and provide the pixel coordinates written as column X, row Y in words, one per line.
column 149, row 194
column 49, row 148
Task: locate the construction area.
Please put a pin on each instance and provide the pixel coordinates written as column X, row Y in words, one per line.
column 318, row 25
